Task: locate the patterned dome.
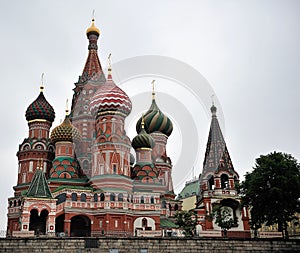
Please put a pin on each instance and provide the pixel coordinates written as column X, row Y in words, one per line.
column 143, row 140
column 65, row 132
column 155, row 121
column 110, row 99
column 40, row 109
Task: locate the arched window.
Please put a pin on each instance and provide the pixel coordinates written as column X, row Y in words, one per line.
column 211, row 183
column 170, row 207
column 224, row 181
column 144, row 223
column 83, row 197
column 152, row 200
column 176, row 207
column 19, row 202
column 95, row 197
column 163, row 204
column 142, row 200
column 102, row 197
column 112, row 197
column 15, row 203
column 120, row 197
column 74, row 196
column 10, row 203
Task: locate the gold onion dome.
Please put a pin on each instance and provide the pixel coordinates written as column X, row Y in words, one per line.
column 93, row 28
column 143, row 140
column 155, row 121
column 65, row 132
column 40, row 109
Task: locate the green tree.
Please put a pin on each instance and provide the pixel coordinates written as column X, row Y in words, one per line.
column 223, row 217
column 187, row 221
column 272, row 190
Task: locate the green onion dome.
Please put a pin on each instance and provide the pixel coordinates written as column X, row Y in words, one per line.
column 65, row 132
column 143, row 140
column 40, row 109
column 155, row 121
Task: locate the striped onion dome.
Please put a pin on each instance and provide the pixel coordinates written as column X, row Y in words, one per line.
column 65, row 132
column 155, row 121
column 110, row 99
column 143, row 140
column 40, row 109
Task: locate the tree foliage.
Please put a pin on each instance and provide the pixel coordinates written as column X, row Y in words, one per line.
column 187, row 221
column 223, row 217
column 272, row 190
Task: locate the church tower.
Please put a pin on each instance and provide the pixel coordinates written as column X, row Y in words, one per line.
column 88, row 83
column 37, row 146
column 218, row 182
column 160, row 127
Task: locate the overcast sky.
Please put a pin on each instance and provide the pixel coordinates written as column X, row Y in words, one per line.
column 248, row 51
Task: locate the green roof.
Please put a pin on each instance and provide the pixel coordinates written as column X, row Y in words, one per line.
column 164, row 223
column 190, row 189
column 61, row 187
column 39, row 186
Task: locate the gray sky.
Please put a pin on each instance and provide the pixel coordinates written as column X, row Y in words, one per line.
column 247, row 50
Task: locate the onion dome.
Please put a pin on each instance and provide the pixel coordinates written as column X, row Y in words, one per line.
column 65, row 132
column 143, row 140
column 93, row 29
column 110, row 99
column 155, row 120
column 40, row 109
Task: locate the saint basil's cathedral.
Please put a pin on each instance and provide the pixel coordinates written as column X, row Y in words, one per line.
column 81, row 179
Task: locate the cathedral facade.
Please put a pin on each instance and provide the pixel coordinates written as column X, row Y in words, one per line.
column 81, row 178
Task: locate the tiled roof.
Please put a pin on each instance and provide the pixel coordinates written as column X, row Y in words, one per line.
column 39, row 186
column 190, row 189
column 166, row 223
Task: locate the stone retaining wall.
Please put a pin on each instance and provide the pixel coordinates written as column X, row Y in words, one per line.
column 145, row 245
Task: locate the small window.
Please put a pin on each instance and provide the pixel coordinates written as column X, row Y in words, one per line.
column 142, row 200
column 120, row 197
column 95, row 197
column 144, row 223
column 83, row 197
column 112, row 197
column 102, row 197
column 115, row 169
column 152, row 200
column 74, row 196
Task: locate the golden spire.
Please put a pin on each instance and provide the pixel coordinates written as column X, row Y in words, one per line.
column 153, row 93
column 143, row 122
column 42, row 83
column 67, row 107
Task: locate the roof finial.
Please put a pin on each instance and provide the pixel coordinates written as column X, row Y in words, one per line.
column 212, row 99
column 153, row 93
column 42, row 83
column 109, row 67
column 67, row 107
column 93, row 15
column 213, row 109
column 143, row 122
